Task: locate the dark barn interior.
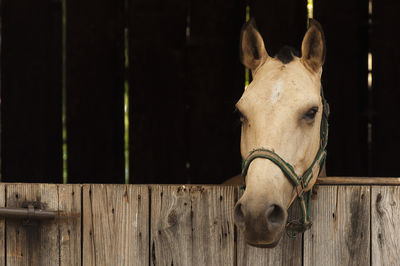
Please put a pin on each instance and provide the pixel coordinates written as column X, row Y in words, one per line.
column 69, row 69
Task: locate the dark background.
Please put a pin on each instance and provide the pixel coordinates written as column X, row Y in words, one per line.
column 184, row 77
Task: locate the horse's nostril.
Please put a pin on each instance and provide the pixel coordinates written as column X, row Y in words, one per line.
column 275, row 216
column 239, row 215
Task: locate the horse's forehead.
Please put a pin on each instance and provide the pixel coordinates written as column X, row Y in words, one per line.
column 276, row 81
column 292, row 75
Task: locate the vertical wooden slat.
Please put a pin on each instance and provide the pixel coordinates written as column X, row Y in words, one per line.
column 385, row 83
column 215, row 82
column 31, row 91
column 287, row 252
column 2, row 227
column 344, row 80
column 95, row 89
column 385, row 225
column 52, row 242
column 171, row 228
column 212, row 221
column 157, row 83
column 340, row 234
column 37, row 243
column 192, row 225
column 69, row 224
column 115, row 225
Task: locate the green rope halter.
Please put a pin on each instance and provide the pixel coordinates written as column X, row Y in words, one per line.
column 300, row 183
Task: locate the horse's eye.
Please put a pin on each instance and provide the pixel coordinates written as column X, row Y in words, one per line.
column 311, row 113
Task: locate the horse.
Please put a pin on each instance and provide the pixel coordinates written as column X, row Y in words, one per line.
column 283, row 118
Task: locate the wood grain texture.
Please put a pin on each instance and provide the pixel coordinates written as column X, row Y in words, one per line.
column 287, row 252
column 332, row 180
column 115, row 225
column 192, row 225
column 340, row 234
column 69, row 224
column 385, row 225
column 38, row 242
column 2, row 226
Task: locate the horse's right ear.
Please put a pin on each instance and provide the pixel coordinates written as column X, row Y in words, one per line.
column 252, row 49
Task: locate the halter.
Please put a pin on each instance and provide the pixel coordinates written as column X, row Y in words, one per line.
column 300, row 183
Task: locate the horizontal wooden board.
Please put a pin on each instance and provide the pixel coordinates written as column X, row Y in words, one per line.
column 193, row 225
column 392, row 181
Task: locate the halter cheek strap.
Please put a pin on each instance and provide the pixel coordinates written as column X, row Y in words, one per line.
column 302, row 184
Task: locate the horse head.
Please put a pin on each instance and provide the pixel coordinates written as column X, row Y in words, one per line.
column 280, row 112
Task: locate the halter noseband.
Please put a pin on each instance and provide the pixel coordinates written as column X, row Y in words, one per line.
column 300, row 183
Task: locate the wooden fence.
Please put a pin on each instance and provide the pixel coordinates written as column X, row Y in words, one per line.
column 192, row 225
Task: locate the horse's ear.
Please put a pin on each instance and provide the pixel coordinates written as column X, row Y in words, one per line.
column 313, row 47
column 252, row 50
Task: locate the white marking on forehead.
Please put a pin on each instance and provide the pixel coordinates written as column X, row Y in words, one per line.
column 277, row 91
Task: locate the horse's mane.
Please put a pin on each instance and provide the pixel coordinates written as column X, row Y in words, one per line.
column 286, row 54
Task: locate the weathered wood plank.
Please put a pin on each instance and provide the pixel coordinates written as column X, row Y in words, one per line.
column 36, row 243
column 385, row 92
column 215, row 76
column 213, row 235
column 340, row 234
column 2, row 227
column 248, row 255
column 95, row 91
column 333, row 180
column 69, row 224
column 192, row 225
column 385, row 225
column 157, row 75
column 115, row 225
column 345, row 84
column 31, row 65
column 171, row 236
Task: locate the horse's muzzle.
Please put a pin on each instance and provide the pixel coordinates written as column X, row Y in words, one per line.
column 262, row 227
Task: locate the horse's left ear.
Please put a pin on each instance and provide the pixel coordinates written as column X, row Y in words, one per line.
column 313, row 47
